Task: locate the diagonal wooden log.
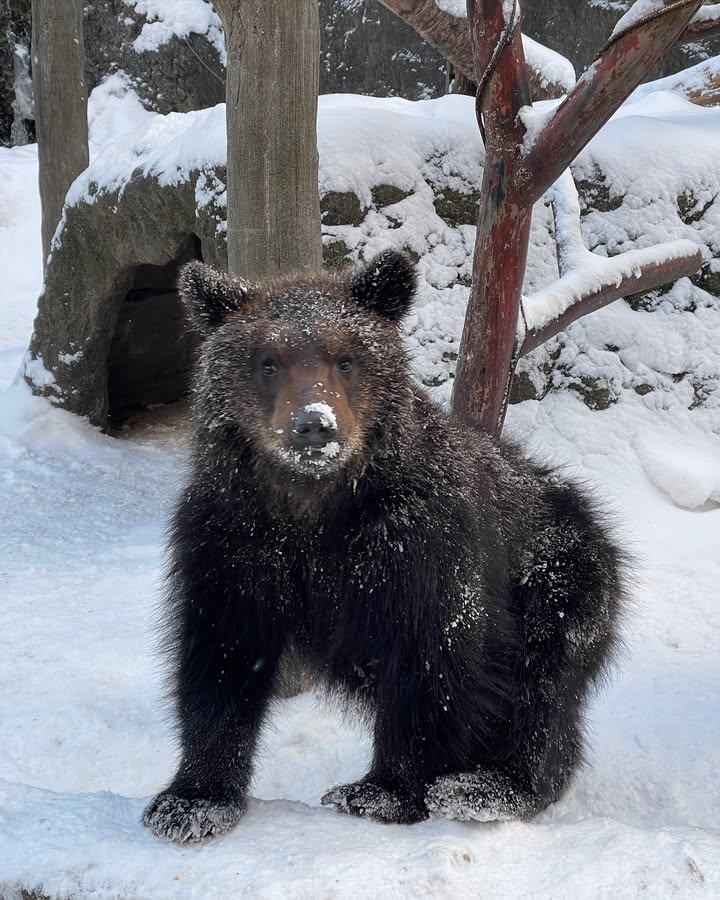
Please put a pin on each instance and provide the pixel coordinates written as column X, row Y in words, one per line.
column 450, row 36
column 517, row 173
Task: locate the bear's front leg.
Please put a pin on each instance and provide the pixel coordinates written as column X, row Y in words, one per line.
column 220, row 712
column 393, row 790
column 225, row 652
column 376, row 801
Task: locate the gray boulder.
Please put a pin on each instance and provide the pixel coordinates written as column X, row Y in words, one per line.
column 110, row 335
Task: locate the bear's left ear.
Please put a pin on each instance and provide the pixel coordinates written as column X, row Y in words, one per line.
column 209, row 296
column 386, row 285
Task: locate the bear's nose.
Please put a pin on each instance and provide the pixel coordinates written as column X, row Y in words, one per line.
column 313, row 428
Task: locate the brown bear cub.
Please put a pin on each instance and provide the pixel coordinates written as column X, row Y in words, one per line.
column 463, row 597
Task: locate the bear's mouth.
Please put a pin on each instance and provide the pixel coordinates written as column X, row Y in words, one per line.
column 314, row 461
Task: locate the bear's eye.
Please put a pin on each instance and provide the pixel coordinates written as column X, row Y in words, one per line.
column 345, row 364
column 269, row 367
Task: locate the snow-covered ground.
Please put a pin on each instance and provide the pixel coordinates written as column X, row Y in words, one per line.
column 84, row 741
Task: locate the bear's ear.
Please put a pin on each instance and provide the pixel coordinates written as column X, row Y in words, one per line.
column 209, row 296
column 386, row 285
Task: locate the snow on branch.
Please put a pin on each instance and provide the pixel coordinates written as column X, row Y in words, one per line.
column 443, row 25
column 621, row 66
column 588, row 282
column 705, row 24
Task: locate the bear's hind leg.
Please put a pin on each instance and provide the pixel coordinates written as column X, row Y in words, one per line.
column 569, row 601
column 485, row 795
column 568, row 604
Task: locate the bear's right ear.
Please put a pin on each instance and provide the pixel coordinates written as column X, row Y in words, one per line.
column 386, row 285
column 209, row 296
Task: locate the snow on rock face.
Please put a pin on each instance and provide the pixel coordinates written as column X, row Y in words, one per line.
column 167, row 19
column 429, row 155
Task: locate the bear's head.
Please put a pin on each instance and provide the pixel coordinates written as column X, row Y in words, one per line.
column 309, row 371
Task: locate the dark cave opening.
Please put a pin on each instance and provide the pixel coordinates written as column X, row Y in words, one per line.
column 152, row 349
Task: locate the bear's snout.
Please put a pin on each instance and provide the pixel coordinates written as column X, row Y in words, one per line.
column 313, row 427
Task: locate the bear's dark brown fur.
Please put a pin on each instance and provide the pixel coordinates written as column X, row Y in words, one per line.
column 462, row 596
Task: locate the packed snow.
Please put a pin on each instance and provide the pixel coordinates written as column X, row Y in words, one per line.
column 551, row 66
column 84, row 735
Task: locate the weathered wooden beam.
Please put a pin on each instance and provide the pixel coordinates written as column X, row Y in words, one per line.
column 273, row 68
column 58, row 71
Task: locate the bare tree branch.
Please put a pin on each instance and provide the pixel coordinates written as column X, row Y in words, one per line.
column 450, row 36
column 704, row 25
column 520, row 165
column 588, row 282
column 625, row 61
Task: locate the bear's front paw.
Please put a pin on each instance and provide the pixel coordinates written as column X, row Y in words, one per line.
column 363, row 798
column 181, row 820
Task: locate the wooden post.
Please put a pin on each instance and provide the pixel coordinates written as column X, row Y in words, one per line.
column 58, row 58
column 273, row 70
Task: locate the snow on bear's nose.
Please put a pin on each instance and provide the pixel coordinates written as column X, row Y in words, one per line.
column 314, row 427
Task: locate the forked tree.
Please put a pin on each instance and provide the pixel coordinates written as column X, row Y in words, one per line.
column 521, row 165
